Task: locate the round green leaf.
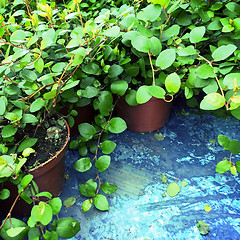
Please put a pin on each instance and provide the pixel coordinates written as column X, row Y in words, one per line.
column 234, row 147
column 8, row 131
column 203, row 227
column 196, row 34
column 50, row 95
column 117, row 125
column 83, row 164
column 230, row 78
column 173, row 189
column 42, row 213
column 131, row 98
column 205, row 71
column 86, row 130
column 37, row 105
column 18, row 36
column 141, row 43
column 69, row 202
column 157, row 91
column 87, row 204
column 156, row 46
column 27, row 143
column 103, row 163
column 91, row 68
column 112, row 32
column 143, row 95
column 39, row 65
column 26, row 152
column 166, row 58
column 88, row 189
column 66, row 227
column 56, row 205
column 29, row 118
column 114, row 71
column 4, row 194
column 224, row 141
column 101, row 202
column 108, row 146
column 119, row 87
column 2, row 105
column 223, row 52
column 237, row 165
column 109, row 188
column 173, row 82
column 26, row 180
column 223, row 166
column 212, row 101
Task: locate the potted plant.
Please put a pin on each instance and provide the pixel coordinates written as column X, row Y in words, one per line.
column 42, row 47
column 162, row 49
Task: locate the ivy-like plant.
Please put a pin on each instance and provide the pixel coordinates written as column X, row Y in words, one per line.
column 226, row 164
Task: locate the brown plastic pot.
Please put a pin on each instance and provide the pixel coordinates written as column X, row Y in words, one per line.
column 146, row 117
column 49, row 177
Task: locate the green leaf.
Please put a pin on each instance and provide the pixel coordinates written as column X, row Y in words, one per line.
column 224, row 141
column 205, row 71
column 27, row 143
column 223, row 166
column 69, row 202
column 173, row 189
column 87, row 204
column 44, row 194
column 103, row 163
column 142, row 95
column 166, row 58
column 156, row 46
column 39, row 65
column 237, row 165
column 73, row 43
column 197, row 34
column 50, row 95
column 184, row 183
column 27, row 152
column 42, row 213
column 91, row 68
column 230, row 78
column 8, row 131
column 112, row 32
column 3, row 102
column 203, row 227
column 37, row 105
column 29, row 118
column 59, row 67
column 233, row 170
column 156, row 91
column 83, row 164
column 46, row 42
column 14, row 223
column 26, row 180
column 88, row 189
column 18, row 37
column 108, row 146
column 188, row 51
column 212, row 101
column 234, row 147
column 15, row 232
column 90, row 92
column 86, row 130
column 173, row 83
column 131, row 98
column 66, row 227
column 101, row 202
column 56, row 205
column 119, row 87
column 114, row 71
column 151, row 12
column 109, row 188
column 141, row 43
column 223, row 52
column 117, row 125
column 4, row 194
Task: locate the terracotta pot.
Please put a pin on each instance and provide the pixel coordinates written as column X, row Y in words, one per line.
column 146, row 117
column 49, row 177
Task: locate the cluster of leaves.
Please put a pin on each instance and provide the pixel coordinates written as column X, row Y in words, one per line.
column 42, row 213
column 226, row 164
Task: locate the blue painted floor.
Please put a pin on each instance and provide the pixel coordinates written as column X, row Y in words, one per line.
column 138, row 210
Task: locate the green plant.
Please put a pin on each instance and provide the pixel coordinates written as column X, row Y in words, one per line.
column 226, row 164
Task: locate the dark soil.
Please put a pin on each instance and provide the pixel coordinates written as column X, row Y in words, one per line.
column 52, row 135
